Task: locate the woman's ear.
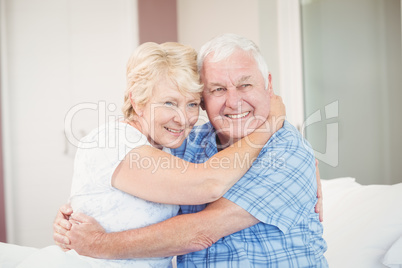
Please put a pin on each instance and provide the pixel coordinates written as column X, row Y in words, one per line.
column 137, row 108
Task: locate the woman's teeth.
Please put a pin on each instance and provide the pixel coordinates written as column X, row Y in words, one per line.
column 173, row 130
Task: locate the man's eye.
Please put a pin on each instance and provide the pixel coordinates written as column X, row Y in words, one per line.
column 219, row 91
column 246, row 85
column 169, row 103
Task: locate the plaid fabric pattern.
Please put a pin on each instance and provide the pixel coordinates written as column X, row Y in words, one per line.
column 280, row 191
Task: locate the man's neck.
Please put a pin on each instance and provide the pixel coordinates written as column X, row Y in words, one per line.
column 221, row 146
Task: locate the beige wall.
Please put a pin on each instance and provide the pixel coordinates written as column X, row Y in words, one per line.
column 199, row 21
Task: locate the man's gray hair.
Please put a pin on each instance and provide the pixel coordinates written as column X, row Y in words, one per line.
column 223, row 46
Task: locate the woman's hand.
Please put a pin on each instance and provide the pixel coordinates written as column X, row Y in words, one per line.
column 319, row 207
column 277, row 113
column 61, row 226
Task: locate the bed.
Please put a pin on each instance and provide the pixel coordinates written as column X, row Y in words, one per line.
column 362, row 227
column 362, row 224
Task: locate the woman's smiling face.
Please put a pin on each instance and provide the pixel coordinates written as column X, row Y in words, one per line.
column 168, row 117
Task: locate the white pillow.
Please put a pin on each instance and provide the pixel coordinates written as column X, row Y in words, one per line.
column 360, row 222
column 393, row 258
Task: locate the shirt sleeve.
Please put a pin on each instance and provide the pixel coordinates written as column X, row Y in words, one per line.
column 280, row 187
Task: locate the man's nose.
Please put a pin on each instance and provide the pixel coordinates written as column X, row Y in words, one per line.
column 233, row 99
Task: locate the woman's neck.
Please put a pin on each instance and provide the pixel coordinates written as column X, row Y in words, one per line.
column 137, row 124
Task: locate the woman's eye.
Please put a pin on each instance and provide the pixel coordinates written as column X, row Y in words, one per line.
column 219, row 89
column 193, row 105
column 246, row 85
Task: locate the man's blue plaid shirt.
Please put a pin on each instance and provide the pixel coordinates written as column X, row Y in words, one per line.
column 279, row 190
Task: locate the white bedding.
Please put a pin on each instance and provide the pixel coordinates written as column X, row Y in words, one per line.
column 361, row 224
column 362, row 227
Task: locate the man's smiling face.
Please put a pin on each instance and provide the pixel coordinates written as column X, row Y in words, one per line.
column 235, row 97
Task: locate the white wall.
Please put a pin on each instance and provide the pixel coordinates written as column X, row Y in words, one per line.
column 55, row 54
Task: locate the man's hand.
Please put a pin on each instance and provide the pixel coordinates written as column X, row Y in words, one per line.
column 319, row 207
column 61, row 225
column 85, row 235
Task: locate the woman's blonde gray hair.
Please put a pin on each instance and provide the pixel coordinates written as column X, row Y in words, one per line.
column 151, row 63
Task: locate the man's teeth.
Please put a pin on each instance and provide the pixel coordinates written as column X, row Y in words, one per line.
column 235, row 116
column 173, row 130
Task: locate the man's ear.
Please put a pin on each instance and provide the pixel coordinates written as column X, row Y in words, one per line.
column 270, row 88
column 137, row 108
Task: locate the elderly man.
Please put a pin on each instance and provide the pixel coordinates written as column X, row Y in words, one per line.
column 267, row 219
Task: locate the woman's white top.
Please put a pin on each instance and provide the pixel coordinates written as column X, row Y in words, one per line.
column 98, row 155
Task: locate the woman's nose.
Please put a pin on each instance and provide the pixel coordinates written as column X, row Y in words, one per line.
column 181, row 116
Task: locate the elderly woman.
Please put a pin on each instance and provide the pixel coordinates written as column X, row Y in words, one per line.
column 129, row 179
